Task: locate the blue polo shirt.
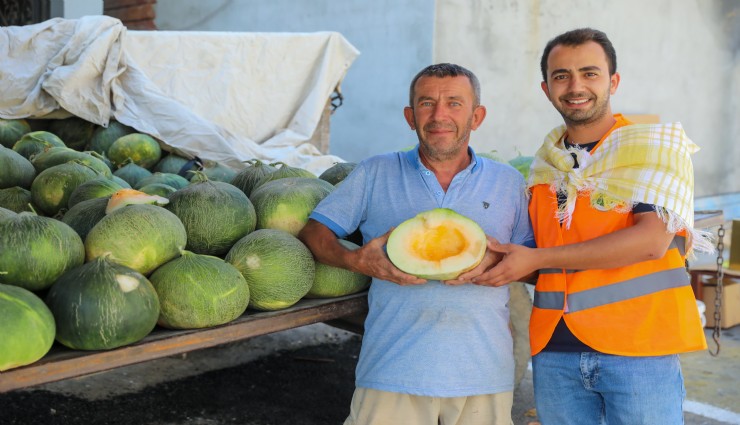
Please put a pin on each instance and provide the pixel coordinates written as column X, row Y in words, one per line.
column 432, row 339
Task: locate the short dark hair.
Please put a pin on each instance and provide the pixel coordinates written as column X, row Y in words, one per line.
column 578, row 37
column 442, row 70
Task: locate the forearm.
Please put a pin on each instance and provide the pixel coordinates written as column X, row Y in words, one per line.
column 325, row 246
column 646, row 240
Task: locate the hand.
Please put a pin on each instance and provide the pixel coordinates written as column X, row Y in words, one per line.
column 490, row 259
column 373, row 261
column 518, row 261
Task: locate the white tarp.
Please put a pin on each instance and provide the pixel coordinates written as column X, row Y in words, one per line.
column 226, row 97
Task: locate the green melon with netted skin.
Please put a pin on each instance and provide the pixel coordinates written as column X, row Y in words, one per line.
column 337, row 172
column 330, row 281
column 142, row 237
column 102, row 305
column 286, row 203
column 59, row 155
column 199, row 291
column 17, row 199
column 12, row 130
column 100, row 187
column 282, row 171
column 278, row 268
column 247, row 178
column 141, row 148
column 75, row 131
column 28, row 328
column 35, row 251
column 84, row 215
column 170, row 179
column 6, row 213
column 215, row 215
column 131, row 173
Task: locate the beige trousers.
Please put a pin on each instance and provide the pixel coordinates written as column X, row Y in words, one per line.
column 373, row 407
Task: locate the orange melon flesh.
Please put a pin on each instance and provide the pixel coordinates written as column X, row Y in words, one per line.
column 438, row 244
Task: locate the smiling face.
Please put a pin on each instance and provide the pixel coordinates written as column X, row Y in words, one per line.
column 444, row 113
column 579, row 85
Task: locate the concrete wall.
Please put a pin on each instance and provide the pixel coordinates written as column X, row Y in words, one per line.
column 677, row 58
column 73, row 9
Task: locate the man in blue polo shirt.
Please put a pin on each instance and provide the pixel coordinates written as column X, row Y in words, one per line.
column 431, row 353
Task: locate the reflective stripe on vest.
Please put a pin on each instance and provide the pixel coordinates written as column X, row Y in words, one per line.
column 615, row 292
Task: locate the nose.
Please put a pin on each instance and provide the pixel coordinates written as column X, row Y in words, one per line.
column 439, row 112
column 575, row 83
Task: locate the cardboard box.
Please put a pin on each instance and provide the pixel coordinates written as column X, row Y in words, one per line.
column 730, row 301
column 735, row 245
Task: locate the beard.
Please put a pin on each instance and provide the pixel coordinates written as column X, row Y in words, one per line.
column 442, row 152
column 582, row 117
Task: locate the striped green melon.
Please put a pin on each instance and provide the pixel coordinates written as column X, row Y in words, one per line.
column 36, row 142
column 247, row 179
column 84, row 215
column 215, row 215
column 17, row 199
column 142, row 237
column 59, row 155
column 199, row 291
column 278, row 268
column 102, row 305
column 140, row 148
column 27, row 331
column 12, row 130
column 35, row 251
column 16, row 170
column 286, row 203
column 52, row 187
column 330, row 281
column 103, row 137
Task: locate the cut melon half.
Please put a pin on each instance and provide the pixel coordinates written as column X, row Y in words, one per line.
column 438, row 244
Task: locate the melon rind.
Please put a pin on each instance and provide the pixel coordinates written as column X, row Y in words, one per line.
column 402, row 240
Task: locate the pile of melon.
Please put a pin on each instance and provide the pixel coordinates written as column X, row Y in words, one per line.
column 106, row 234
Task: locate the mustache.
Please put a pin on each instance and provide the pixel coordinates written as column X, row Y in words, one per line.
column 439, row 126
column 571, row 96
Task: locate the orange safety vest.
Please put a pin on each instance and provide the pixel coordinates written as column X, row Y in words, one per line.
column 644, row 309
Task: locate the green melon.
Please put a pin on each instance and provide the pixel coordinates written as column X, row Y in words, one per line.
column 522, row 164
column 173, row 163
column 283, row 171
column 337, row 172
column 35, row 251
column 141, row 148
column 52, row 187
column 17, row 199
column 173, row 180
column 199, row 291
column 75, row 131
column 27, row 331
column 215, row 215
column 132, row 173
column 12, row 130
column 158, row 189
column 438, row 244
column 101, row 187
column 6, row 213
column 215, row 171
column 102, row 305
column 16, row 170
column 491, row 155
column 247, row 179
column 330, row 281
column 142, row 237
column 84, row 215
column 286, row 203
column 278, row 268
column 35, row 142
column 103, row 137
column 59, row 155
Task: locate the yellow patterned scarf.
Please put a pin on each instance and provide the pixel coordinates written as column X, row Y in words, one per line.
column 639, row 163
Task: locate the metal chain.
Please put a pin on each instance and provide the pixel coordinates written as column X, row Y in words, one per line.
column 717, row 332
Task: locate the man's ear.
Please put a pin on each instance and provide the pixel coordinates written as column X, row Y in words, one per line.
column 478, row 115
column 408, row 113
column 614, row 83
column 545, row 89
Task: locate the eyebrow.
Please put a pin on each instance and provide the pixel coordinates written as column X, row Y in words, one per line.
column 423, row 98
column 583, row 69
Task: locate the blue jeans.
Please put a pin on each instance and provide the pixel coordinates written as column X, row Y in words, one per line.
column 596, row 388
